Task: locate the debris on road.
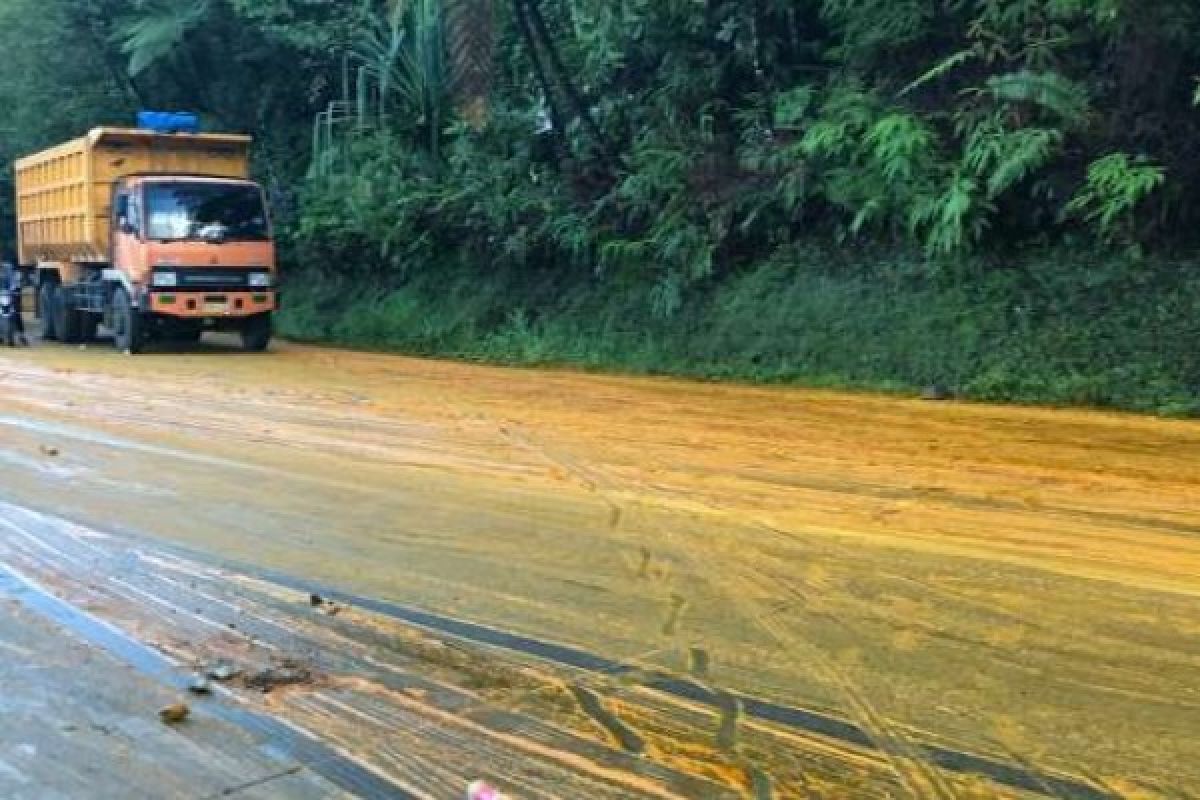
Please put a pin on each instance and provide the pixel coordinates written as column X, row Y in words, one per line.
column 482, row 791
column 199, row 685
column 222, row 671
column 327, row 606
column 49, row 450
column 174, row 714
column 287, row 672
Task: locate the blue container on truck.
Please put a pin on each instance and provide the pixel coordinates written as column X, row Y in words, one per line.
column 169, row 121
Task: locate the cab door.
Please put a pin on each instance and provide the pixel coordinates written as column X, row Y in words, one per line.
column 128, row 250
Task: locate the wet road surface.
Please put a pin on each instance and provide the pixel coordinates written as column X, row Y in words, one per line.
column 632, row 587
column 75, row 724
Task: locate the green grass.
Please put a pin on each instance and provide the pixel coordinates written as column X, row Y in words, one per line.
column 1049, row 328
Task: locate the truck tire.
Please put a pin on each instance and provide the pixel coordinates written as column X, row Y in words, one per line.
column 46, row 297
column 66, row 319
column 128, row 334
column 256, row 333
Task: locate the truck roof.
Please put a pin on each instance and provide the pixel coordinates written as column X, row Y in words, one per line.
column 183, row 177
column 96, row 136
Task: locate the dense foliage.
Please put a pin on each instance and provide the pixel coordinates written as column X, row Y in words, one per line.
column 655, row 157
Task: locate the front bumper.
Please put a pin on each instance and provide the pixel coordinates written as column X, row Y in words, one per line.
column 212, row 305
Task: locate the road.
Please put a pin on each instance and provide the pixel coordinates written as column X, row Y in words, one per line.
column 86, row 742
column 629, row 587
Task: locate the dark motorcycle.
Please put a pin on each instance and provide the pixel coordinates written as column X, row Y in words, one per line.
column 8, row 318
column 12, row 331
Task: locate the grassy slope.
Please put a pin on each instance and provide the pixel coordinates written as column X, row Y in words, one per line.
column 1052, row 328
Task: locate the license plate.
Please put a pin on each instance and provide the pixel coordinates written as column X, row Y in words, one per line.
column 216, row 308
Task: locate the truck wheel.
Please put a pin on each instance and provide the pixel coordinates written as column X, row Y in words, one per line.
column 128, row 335
column 256, row 333
column 46, row 297
column 66, row 318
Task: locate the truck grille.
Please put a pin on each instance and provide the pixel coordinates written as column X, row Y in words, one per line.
column 213, row 280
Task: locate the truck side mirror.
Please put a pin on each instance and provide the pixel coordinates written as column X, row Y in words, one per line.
column 125, row 226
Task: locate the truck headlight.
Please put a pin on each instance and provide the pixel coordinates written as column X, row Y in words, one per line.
column 165, row 280
column 260, row 280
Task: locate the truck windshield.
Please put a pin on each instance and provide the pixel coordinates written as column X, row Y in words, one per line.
column 205, row 211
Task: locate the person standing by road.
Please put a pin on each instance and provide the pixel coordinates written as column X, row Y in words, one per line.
column 14, row 284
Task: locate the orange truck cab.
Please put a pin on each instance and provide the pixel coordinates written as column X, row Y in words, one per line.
column 153, row 235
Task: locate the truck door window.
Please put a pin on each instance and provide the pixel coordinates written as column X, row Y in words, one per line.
column 120, row 209
column 134, row 212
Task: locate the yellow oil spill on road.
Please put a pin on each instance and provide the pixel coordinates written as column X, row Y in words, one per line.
column 1021, row 583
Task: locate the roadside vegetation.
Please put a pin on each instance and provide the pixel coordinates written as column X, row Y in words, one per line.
column 998, row 197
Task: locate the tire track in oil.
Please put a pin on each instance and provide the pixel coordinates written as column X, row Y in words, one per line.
column 884, row 740
column 59, row 559
column 1005, row 774
column 874, row 726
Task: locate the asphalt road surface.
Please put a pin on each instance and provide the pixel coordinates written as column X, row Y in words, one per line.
column 572, row 585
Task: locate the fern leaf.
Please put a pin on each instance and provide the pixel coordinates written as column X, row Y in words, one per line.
column 470, row 41
column 792, row 106
column 1048, row 90
column 1116, row 185
column 1003, row 158
column 157, row 29
column 947, row 66
column 899, row 143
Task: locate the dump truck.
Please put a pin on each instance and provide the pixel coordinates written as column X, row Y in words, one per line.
column 152, row 234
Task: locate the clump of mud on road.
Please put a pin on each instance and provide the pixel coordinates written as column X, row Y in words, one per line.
column 285, row 673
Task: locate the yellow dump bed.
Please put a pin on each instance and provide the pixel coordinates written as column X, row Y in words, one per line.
column 64, row 194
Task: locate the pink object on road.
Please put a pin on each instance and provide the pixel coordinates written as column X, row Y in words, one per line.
column 481, row 791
